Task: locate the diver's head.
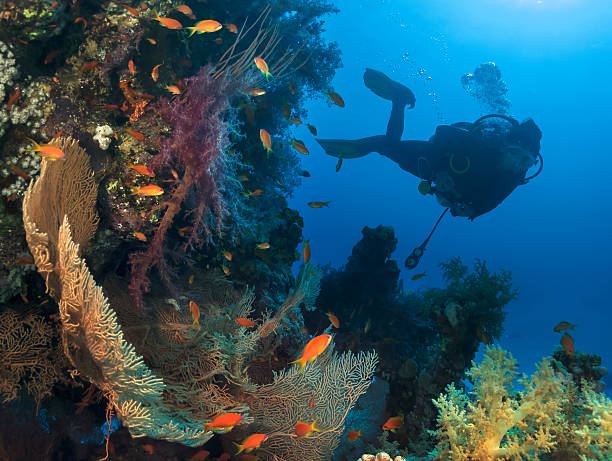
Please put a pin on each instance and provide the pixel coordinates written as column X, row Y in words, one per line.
column 527, row 135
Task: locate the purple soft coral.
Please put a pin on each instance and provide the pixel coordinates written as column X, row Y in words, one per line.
column 199, row 138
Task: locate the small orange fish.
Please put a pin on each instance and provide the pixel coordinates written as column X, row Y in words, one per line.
column 252, row 442
column 313, row 349
column 191, row 279
column 148, row 190
column 295, row 121
column 131, row 67
column 227, row 255
column 255, row 91
column 568, row 343
column 286, row 111
column 88, row 66
column 224, row 457
column 353, row 435
column 134, row 11
column 141, row 169
column 55, row 79
column 58, row 134
column 305, row 430
column 243, row 178
column 50, row 57
column 223, row 421
column 256, row 193
column 173, row 89
column 306, row 252
column 291, row 87
column 418, row 276
column 266, row 140
column 311, row 403
column 206, row 26
column 168, row 23
column 200, row 455
column 24, row 261
column 245, row 322
column 148, row 448
column 393, row 423
column 225, row 269
column 482, row 335
column 195, row 313
column 110, row 107
column 232, row 28
column 20, row 173
column 335, row 97
column 82, row 20
column 299, row 146
column 262, row 246
column 564, row 326
column 135, row 134
column 152, row 41
column 13, row 99
column 53, row 5
column 47, row 150
column 333, row 319
column 155, row 73
column 140, row 236
column 262, row 66
column 186, row 11
column 319, row 204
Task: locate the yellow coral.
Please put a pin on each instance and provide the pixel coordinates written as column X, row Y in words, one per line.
column 500, row 422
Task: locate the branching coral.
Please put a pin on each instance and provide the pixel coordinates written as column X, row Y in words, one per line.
column 595, row 435
column 501, row 422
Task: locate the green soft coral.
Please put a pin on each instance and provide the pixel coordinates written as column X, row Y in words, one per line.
column 500, row 422
column 596, row 433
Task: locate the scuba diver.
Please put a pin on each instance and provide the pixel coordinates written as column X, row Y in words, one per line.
column 470, row 167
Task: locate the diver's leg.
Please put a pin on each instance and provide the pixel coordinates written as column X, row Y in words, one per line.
column 352, row 148
column 395, row 126
column 411, row 156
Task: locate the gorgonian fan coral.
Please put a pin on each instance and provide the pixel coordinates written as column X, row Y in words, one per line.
column 196, row 151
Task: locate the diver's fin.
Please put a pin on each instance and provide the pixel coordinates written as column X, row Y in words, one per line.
column 345, row 148
column 383, row 86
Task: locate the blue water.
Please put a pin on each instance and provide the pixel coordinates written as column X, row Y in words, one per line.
column 554, row 233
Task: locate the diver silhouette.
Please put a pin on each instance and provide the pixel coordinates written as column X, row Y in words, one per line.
column 470, row 167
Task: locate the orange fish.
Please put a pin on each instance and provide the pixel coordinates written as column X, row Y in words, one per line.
column 148, row 448
column 296, row 121
column 255, row 91
column 245, row 322
column 195, row 313
column 311, row 403
column 58, row 134
column 313, row 349
column 186, row 11
column 142, row 169
column 20, row 173
column 333, row 319
column 336, row 98
column 256, row 193
column 110, row 107
column 568, row 343
column 200, row 455
column 418, row 276
column 168, row 23
column 47, row 150
column 88, row 66
column 13, row 99
column 24, row 261
column 266, row 140
column 140, row 236
column 306, row 252
column 149, row 190
column 299, row 146
column 224, row 421
column 564, row 326
column 191, row 279
column 50, row 57
column 173, row 89
column 224, row 457
column 155, row 73
column 482, row 335
column 131, row 67
column 232, row 28
column 252, row 442
column 134, row 11
column 83, row 20
column 135, row 134
column 206, row 26
column 225, row 269
column 227, row 255
column 291, row 88
column 319, row 204
column 152, row 41
column 305, row 430
column 262, row 66
column 262, row 246
column 393, row 424
column 353, row 435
